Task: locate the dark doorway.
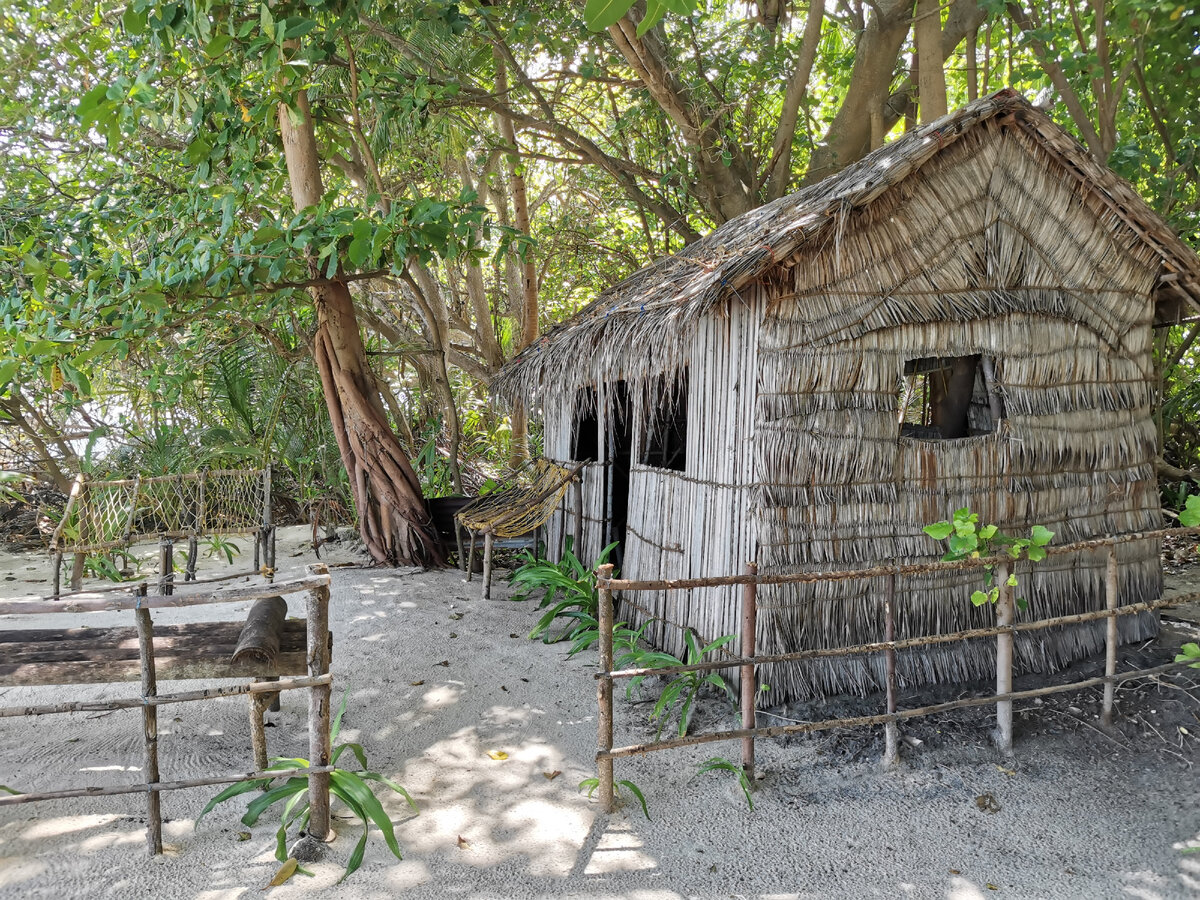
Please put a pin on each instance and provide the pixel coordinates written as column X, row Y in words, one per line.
column 619, row 447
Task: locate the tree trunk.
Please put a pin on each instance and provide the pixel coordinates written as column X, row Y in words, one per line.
column 392, row 518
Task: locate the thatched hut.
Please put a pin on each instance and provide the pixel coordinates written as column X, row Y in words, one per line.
column 963, row 318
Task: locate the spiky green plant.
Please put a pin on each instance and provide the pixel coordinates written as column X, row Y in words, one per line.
column 349, row 786
column 568, row 579
column 721, row 764
column 682, row 690
column 591, row 784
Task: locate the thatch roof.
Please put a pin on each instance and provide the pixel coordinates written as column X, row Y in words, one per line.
column 641, row 325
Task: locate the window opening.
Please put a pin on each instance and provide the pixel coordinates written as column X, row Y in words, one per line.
column 585, row 428
column 945, row 397
column 665, row 444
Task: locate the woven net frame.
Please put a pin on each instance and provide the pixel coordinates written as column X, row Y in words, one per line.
column 106, row 515
column 518, row 510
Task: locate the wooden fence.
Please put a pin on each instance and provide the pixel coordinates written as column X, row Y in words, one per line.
column 1004, row 631
column 261, row 690
column 110, row 515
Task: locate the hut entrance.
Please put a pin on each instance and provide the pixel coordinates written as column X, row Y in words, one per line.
column 945, row 397
column 619, row 447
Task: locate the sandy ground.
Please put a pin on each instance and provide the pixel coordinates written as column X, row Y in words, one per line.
column 437, row 679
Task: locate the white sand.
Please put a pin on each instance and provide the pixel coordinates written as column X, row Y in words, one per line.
column 1081, row 816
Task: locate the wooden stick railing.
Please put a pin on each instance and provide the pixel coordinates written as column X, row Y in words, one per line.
column 318, row 683
column 1004, row 631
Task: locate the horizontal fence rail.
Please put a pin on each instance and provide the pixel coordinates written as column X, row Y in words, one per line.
column 1004, row 631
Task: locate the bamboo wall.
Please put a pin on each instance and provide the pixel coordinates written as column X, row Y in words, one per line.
column 987, row 253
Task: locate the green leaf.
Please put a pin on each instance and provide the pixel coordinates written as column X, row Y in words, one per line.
column 599, row 14
column 1040, row 535
column 633, row 789
column 1187, row 652
column 1012, row 581
column 260, row 804
column 229, row 793
column 1036, row 554
column 939, row 531
column 1189, row 516
column 654, row 12
column 979, row 598
column 348, row 784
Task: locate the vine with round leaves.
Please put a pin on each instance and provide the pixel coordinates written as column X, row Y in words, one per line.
column 968, row 540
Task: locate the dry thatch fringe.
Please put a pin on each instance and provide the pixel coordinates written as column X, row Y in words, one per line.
column 643, row 325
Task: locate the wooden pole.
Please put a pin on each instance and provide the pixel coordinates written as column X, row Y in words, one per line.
column 488, row 538
column 891, row 733
column 577, row 497
column 268, row 527
column 255, row 687
column 58, row 561
column 319, row 718
column 749, row 685
column 471, row 556
column 193, row 552
column 1005, row 614
column 1112, row 635
column 150, row 726
column 258, row 732
column 166, row 566
column 604, row 689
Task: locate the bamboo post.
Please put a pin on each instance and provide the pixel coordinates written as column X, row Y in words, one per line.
column 193, row 553
column 150, row 725
column 562, row 532
column 577, row 497
column 458, row 545
column 77, row 561
column 166, row 565
column 58, row 561
column 258, row 732
column 268, row 527
column 319, row 749
column 488, row 539
column 471, row 557
column 1112, row 635
column 604, row 688
column 749, row 687
column 891, row 754
column 1004, row 660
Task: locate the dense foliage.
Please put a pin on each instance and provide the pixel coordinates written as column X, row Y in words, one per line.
column 485, row 170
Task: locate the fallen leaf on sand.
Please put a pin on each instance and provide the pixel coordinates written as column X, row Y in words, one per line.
column 417, row 683
column 243, row 835
column 550, row 776
column 444, row 662
column 454, row 617
column 463, row 843
column 955, row 872
column 1009, row 772
column 497, row 754
column 514, row 635
column 987, row 802
column 286, row 871
column 991, row 887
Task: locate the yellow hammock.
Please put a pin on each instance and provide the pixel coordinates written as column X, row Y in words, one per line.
column 515, row 511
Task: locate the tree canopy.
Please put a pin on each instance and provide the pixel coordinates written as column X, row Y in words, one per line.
column 475, row 171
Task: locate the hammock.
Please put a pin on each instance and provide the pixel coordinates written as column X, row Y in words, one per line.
column 518, row 510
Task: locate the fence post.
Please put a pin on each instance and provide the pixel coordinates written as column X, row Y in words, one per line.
column 145, row 630
column 268, row 527
column 319, row 698
column 891, row 753
column 577, row 497
column 1110, row 658
column 1004, row 660
column 749, row 648
column 604, row 688
column 488, row 539
column 166, row 565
